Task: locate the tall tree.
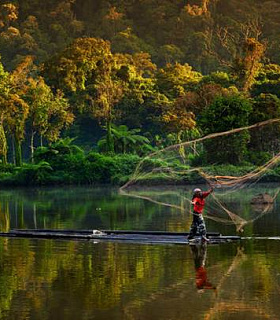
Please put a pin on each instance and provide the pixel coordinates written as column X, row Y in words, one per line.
column 223, row 114
column 84, row 71
column 96, row 79
column 4, row 96
column 74, row 68
column 109, row 91
column 246, row 67
column 178, row 119
column 60, row 116
column 49, row 113
column 19, row 108
column 16, row 122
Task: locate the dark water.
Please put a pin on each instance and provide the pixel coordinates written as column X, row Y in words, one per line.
column 49, row 279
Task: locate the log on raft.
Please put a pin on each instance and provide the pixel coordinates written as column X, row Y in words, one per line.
column 128, row 236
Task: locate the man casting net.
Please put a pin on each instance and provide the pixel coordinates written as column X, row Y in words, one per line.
column 228, row 161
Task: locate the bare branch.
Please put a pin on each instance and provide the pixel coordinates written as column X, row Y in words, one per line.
column 209, row 47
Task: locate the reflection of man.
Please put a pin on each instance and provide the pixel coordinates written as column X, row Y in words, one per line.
column 199, row 254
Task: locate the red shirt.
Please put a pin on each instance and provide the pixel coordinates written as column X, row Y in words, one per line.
column 199, row 202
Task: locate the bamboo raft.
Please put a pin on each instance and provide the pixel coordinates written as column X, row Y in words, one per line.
column 128, row 236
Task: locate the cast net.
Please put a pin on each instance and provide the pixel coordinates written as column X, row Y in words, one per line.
column 231, row 162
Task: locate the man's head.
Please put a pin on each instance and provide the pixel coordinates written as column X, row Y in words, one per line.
column 197, row 192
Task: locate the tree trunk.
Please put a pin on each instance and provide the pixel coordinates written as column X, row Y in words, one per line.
column 32, row 145
column 18, row 156
column 13, row 150
column 3, row 145
column 109, row 137
column 181, row 148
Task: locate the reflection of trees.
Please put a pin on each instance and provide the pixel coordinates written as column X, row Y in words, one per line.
column 4, row 217
column 84, row 276
column 39, row 277
column 44, row 277
column 133, row 309
column 236, row 303
column 77, row 208
column 228, row 297
column 252, row 309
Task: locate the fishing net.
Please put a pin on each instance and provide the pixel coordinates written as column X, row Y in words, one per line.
column 249, row 155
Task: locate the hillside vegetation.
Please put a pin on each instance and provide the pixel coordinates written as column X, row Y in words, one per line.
column 117, row 79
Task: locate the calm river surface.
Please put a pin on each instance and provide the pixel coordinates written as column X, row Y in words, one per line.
column 81, row 280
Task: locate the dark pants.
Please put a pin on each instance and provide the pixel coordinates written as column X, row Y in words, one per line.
column 198, row 226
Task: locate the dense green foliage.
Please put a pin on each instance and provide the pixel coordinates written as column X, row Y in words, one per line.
column 234, row 111
column 125, row 78
column 64, row 163
column 172, row 31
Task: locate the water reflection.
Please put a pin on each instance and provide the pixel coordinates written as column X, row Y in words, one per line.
column 74, row 208
column 47, row 279
column 43, row 279
column 199, row 252
column 105, row 208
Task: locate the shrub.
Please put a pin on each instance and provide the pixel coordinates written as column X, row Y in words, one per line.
column 225, row 113
column 33, row 174
column 258, row 158
column 106, row 169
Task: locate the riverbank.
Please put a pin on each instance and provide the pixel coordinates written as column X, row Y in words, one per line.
column 97, row 169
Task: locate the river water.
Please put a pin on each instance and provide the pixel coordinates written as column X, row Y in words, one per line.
column 51, row 279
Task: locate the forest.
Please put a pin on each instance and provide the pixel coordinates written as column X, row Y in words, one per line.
column 89, row 88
